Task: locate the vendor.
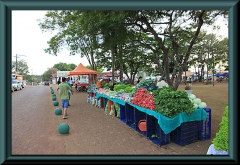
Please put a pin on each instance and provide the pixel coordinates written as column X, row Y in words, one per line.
column 121, row 81
column 99, row 83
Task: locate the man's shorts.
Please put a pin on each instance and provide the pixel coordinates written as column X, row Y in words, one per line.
column 65, row 103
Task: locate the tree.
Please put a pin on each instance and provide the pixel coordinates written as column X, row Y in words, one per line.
column 64, row 66
column 46, row 76
column 22, row 67
column 103, row 35
column 177, row 27
column 99, row 70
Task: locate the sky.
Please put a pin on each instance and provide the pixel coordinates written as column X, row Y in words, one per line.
column 29, row 42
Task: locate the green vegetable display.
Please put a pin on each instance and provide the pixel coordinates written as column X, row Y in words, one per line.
column 170, row 103
column 127, row 88
column 220, row 142
column 147, row 84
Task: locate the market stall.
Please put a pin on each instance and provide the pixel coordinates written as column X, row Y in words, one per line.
column 80, row 70
column 147, row 113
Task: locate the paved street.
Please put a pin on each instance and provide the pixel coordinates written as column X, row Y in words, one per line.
column 35, row 129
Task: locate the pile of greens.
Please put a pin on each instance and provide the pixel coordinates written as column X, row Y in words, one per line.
column 147, row 84
column 127, row 88
column 170, row 103
column 220, row 142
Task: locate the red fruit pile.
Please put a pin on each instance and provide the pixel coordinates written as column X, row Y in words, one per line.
column 142, row 99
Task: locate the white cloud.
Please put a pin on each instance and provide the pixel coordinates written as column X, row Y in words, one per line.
column 28, row 40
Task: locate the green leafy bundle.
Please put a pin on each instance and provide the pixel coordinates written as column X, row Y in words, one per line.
column 170, row 103
column 221, row 140
column 147, row 84
column 118, row 87
column 107, row 86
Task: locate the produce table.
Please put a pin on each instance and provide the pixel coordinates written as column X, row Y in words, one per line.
column 166, row 124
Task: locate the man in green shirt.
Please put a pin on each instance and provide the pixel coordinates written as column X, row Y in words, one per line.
column 64, row 96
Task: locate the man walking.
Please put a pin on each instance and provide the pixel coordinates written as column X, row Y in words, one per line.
column 64, row 96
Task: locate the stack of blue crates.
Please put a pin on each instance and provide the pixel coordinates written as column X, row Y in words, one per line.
column 123, row 113
column 205, row 126
column 155, row 133
column 129, row 115
column 139, row 115
column 186, row 133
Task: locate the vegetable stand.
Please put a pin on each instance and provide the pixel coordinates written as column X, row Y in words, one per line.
column 161, row 129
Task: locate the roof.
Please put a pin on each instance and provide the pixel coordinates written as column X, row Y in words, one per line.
column 110, row 75
column 80, row 70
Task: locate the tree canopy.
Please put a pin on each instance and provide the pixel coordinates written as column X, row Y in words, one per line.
column 130, row 41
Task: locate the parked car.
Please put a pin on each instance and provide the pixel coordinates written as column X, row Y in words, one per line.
column 46, row 83
column 16, row 85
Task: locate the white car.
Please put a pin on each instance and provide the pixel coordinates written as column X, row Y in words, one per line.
column 16, row 85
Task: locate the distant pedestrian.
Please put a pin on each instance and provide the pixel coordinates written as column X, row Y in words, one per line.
column 64, row 96
column 139, row 79
column 59, row 81
column 76, row 87
column 190, row 81
column 162, row 83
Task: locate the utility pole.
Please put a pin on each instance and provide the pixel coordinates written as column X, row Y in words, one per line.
column 16, row 69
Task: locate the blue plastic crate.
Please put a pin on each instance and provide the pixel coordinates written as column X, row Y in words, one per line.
column 129, row 115
column 155, row 133
column 139, row 115
column 205, row 126
column 186, row 133
column 123, row 113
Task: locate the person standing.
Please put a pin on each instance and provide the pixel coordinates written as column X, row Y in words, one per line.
column 69, row 91
column 121, row 81
column 64, row 96
column 162, row 83
column 139, row 79
column 59, row 81
column 190, row 81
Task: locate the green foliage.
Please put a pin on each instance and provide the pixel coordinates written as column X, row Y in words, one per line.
column 147, row 84
column 221, row 140
column 22, row 67
column 170, row 103
column 126, row 87
column 46, row 76
column 64, row 66
column 107, row 86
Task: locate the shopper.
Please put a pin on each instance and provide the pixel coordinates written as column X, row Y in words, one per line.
column 139, row 79
column 162, row 83
column 64, row 96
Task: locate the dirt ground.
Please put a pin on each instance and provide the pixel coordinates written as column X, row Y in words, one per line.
column 216, row 98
